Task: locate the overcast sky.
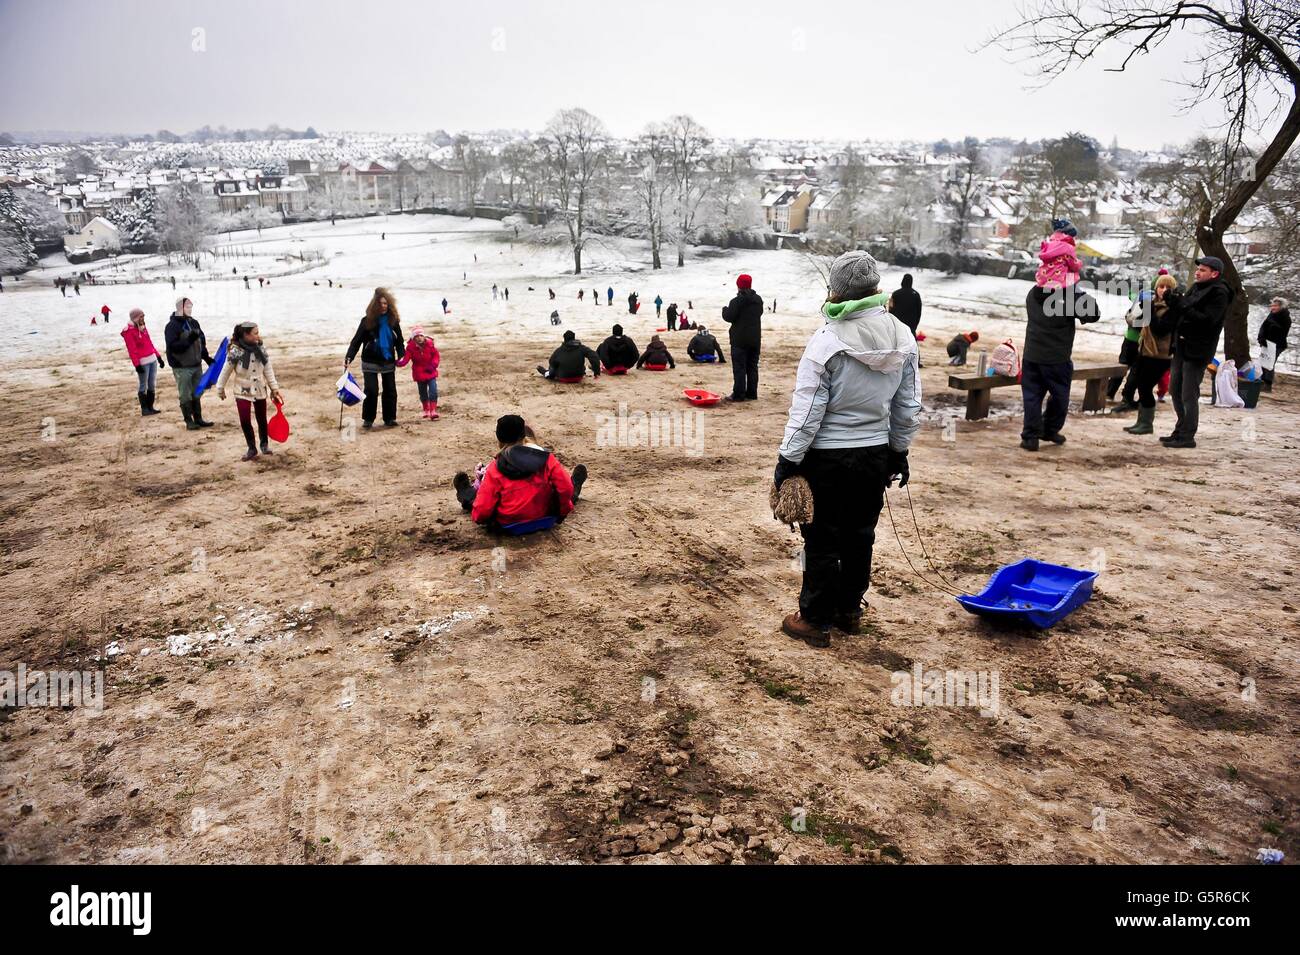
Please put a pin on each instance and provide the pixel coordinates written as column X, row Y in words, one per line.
column 902, row 69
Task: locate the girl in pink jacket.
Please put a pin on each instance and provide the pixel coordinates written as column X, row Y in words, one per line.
column 1061, row 266
column 146, row 358
column 422, row 355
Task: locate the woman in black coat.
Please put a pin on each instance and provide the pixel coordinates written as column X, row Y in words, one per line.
column 379, row 339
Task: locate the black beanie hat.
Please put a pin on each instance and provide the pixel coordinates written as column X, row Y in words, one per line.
column 618, row 329
column 510, row 428
column 569, row 335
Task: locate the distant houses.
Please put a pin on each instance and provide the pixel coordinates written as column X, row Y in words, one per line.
column 96, row 239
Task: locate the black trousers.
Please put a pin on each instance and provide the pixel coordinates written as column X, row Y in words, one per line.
column 1038, row 380
column 744, row 372
column 1129, row 351
column 848, row 489
column 1185, row 377
column 1149, row 371
column 372, row 395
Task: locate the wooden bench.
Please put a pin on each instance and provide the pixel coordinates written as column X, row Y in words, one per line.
column 978, row 389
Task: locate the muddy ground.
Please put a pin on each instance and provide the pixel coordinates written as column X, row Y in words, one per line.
column 318, row 658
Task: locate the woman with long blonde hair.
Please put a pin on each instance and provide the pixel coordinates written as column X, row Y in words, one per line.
column 379, row 339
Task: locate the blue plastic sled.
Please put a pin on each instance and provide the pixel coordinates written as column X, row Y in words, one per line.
column 1030, row 591
column 704, row 358
column 214, row 370
column 527, row 527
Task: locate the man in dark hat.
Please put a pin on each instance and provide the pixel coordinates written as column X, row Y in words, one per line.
column 1200, row 312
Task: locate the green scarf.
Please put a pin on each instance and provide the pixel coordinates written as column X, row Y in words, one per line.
column 834, row 311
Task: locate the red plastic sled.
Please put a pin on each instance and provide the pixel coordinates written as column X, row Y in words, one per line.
column 569, row 381
column 616, row 370
column 700, row 398
column 277, row 429
column 649, row 367
column 664, row 329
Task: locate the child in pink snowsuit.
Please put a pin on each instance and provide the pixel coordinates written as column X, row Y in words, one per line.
column 422, row 355
column 1061, row 267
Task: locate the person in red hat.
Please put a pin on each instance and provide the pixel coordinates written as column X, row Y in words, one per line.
column 745, row 316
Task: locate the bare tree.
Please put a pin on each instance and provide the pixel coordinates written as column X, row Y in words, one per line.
column 654, row 149
column 575, row 143
column 960, row 193
column 1247, row 62
column 475, row 162
column 688, row 145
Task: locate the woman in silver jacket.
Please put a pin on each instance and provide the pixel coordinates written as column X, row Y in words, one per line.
column 855, row 409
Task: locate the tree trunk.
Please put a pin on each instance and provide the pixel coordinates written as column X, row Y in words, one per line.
column 577, row 260
column 1236, row 333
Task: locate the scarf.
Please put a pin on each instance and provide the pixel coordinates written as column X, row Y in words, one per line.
column 834, row 311
column 249, row 352
column 385, row 338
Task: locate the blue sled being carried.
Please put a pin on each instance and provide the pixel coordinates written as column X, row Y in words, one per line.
column 1030, row 591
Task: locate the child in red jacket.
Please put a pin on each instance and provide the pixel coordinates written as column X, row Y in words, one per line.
column 423, row 357
column 523, row 483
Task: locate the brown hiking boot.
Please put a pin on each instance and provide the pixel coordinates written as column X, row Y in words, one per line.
column 796, row 626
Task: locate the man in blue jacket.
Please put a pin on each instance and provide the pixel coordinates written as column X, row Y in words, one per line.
column 855, row 410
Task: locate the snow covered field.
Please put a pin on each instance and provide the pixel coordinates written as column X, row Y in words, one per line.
column 425, row 258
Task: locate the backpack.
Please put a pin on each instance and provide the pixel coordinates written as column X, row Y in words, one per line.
column 1005, row 360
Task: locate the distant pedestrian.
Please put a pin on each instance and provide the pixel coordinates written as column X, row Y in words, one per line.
column 672, row 317
column 507, row 291
column 76, row 287
column 330, row 281
column 245, row 281
column 905, row 305
column 260, row 281
column 174, row 283
column 595, row 297
column 580, row 294
column 659, row 305
column 494, row 291
column 1277, row 324
column 444, row 306
column 105, row 312
column 62, row 286
column 611, row 296
column 552, row 293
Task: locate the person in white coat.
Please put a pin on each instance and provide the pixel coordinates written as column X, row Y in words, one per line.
column 855, row 409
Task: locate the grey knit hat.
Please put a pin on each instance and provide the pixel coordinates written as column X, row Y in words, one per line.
column 854, row 274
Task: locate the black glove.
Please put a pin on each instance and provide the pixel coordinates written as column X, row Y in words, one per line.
column 784, row 469
column 161, row 363
column 898, row 468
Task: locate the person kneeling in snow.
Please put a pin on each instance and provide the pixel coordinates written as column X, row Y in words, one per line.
column 855, row 410
column 568, row 360
column 524, row 482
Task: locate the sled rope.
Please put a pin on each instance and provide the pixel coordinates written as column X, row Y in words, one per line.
column 949, row 589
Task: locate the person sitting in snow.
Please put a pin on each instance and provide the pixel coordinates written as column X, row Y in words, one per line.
column 568, row 361
column 618, row 353
column 656, row 355
column 524, row 482
column 704, row 347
